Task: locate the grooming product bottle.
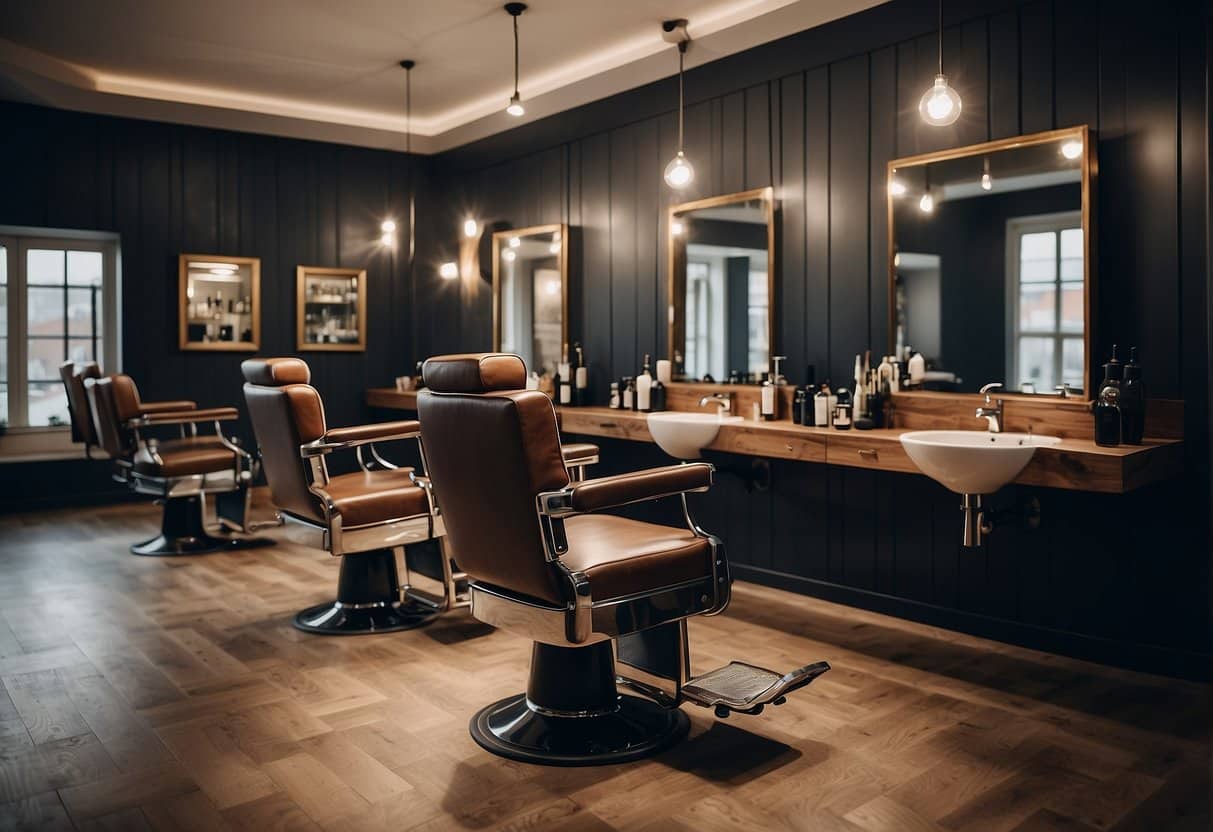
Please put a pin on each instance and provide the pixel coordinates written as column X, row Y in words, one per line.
column 657, row 396
column 1133, row 402
column 884, row 372
column 821, row 406
column 917, row 367
column 561, row 386
column 664, row 371
column 1113, row 370
column 615, row 401
column 581, row 377
column 768, row 400
column 860, row 396
column 1107, row 406
column 644, row 385
column 804, row 416
column 802, row 407
column 843, row 409
column 629, row 393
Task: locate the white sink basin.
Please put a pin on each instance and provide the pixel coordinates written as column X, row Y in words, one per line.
column 972, row 461
column 683, row 435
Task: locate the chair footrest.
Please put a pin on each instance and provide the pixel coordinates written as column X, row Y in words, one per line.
column 744, row 687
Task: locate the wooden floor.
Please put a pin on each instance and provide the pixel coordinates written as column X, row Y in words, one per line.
column 174, row 694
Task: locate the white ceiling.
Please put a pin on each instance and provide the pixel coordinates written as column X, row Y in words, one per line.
column 327, row 69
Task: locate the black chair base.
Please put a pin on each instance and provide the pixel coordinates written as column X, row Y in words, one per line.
column 572, row 714
column 368, row 600
column 182, row 532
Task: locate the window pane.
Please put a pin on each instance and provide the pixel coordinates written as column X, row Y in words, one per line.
column 81, row 349
column 44, row 266
column 45, row 356
column 45, row 312
column 1037, row 271
column 1072, row 361
column 84, row 268
column 1038, row 246
column 47, row 404
column 1037, row 307
column 3, row 359
column 1071, row 307
column 1071, row 268
column 1036, row 363
column 1071, row 243
column 80, row 311
column 4, row 401
column 3, row 303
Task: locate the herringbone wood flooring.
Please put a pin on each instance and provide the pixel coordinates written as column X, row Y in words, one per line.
column 174, row 694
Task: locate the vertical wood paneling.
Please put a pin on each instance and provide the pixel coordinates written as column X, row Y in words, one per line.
column 1036, row 66
column 816, row 321
column 790, row 290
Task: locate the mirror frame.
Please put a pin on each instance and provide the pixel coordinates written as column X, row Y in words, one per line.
column 676, row 320
column 550, row 228
column 254, row 264
column 1089, row 171
column 302, row 273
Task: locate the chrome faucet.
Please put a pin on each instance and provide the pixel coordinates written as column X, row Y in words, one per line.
column 724, row 401
column 992, row 411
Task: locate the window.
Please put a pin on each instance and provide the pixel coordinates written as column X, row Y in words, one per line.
column 58, row 302
column 1045, row 302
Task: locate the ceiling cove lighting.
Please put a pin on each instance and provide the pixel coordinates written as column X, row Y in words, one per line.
column 679, row 173
column 515, row 108
column 940, row 105
column 1072, row 149
column 448, row 271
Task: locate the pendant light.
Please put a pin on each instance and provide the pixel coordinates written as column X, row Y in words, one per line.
column 679, row 173
column 940, row 105
column 515, row 108
column 987, row 183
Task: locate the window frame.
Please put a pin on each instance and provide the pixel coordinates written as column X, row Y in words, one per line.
column 1017, row 227
column 22, row 440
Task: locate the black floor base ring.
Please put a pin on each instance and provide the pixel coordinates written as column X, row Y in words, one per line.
column 638, row 728
column 204, row 544
column 337, row 619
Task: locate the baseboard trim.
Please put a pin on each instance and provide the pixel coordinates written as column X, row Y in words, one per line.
column 1147, row 658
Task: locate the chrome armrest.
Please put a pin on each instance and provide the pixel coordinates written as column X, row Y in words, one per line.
column 624, row 489
column 184, row 417
column 341, row 439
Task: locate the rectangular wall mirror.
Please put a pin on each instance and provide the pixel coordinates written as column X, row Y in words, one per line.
column 531, row 294
column 330, row 309
column 219, row 302
column 722, row 285
column 990, row 263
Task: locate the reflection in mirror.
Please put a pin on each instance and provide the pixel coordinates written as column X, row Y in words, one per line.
column 989, row 265
column 219, row 302
column 721, row 287
column 530, row 294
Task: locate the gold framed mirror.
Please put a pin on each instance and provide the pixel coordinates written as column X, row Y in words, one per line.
column 219, row 303
column 531, row 294
column 330, row 309
column 721, row 284
column 991, row 264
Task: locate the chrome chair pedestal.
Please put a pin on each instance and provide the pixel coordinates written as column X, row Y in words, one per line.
column 572, row 714
column 368, row 600
column 182, row 532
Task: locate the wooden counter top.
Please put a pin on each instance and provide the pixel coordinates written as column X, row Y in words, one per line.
column 1075, row 464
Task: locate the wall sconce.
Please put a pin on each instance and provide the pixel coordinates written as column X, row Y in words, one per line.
column 470, row 228
column 388, row 227
column 448, row 271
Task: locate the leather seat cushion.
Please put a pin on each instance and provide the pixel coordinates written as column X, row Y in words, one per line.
column 185, row 457
column 376, row 496
column 623, row 557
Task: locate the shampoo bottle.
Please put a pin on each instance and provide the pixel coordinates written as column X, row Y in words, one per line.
column 1107, row 406
column 821, row 406
column 1133, row 402
column 629, row 393
column 581, row 377
column 768, row 400
column 918, row 369
column 644, row 384
column 843, row 409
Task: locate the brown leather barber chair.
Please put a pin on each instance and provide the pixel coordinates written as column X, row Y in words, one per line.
column 365, row 516
column 604, row 598
column 181, row 471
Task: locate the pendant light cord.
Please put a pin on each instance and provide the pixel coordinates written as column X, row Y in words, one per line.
column 682, row 51
column 408, row 110
column 940, row 37
column 515, row 54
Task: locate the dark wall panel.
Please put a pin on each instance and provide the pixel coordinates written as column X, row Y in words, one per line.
column 820, row 125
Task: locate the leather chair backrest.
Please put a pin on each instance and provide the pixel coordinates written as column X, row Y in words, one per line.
column 490, row 449
column 109, row 399
column 286, row 413
column 78, row 409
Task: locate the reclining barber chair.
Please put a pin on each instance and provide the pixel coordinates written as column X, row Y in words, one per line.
column 604, row 598
column 181, row 471
column 81, row 415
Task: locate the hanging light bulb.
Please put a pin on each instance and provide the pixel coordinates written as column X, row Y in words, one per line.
column 676, row 228
column 508, row 255
column 515, row 108
column 927, row 203
column 515, row 242
column 554, row 248
column 679, row 173
column 470, row 227
column 1072, row 149
column 897, row 187
column 987, row 184
column 387, row 226
column 448, row 271
column 940, row 105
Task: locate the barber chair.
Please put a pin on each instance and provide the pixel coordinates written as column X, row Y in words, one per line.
column 180, row 471
column 79, row 412
column 604, row 599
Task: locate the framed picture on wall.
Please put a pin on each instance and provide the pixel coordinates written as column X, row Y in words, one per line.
column 219, row 304
column 330, row 309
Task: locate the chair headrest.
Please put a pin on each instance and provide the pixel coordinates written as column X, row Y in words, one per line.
column 474, row 373
column 275, row 372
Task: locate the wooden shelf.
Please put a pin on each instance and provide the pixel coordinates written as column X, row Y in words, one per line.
column 1076, row 464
